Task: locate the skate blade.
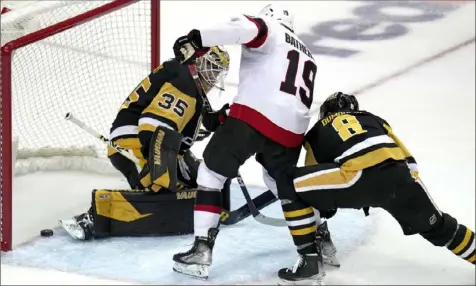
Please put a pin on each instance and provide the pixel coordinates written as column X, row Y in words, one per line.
column 332, row 261
column 313, row 280
column 192, row 270
column 301, row 282
column 72, row 228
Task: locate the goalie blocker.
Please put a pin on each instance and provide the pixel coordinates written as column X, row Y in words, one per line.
column 161, row 168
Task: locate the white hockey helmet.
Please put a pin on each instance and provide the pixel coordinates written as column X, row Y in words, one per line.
column 280, row 14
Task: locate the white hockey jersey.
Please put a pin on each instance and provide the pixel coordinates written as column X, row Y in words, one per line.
column 277, row 72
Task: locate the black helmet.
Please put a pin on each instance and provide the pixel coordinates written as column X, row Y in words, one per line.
column 338, row 102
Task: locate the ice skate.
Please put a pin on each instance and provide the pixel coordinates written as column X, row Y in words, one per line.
column 308, row 270
column 198, row 259
column 79, row 227
column 329, row 250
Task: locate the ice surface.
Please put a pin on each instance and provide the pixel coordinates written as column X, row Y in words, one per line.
column 432, row 109
column 245, row 252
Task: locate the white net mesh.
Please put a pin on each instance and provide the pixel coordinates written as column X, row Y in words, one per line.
column 87, row 70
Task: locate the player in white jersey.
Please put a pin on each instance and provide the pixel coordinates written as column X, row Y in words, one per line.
column 269, row 117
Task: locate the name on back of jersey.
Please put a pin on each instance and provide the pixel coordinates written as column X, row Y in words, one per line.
column 298, row 45
column 330, row 118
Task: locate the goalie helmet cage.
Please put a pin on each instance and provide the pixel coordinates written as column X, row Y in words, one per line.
column 80, row 56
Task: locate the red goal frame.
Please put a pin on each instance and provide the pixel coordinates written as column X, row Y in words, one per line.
column 6, row 169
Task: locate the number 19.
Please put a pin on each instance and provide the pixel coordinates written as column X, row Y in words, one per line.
column 308, row 76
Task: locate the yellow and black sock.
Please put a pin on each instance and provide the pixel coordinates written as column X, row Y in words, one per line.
column 463, row 244
column 302, row 225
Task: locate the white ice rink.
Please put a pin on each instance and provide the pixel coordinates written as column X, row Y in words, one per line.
column 430, row 105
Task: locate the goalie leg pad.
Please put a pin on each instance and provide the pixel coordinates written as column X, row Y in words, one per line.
column 140, row 212
column 164, row 147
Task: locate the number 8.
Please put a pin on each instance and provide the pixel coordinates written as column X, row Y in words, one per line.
column 347, row 126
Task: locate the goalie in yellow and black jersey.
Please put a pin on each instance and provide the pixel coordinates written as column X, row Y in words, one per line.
column 158, row 122
column 354, row 160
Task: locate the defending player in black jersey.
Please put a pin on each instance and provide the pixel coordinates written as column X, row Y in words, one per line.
column 158, row 122
column 360, row 162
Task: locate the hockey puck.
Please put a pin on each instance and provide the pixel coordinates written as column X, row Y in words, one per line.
column 46, row 232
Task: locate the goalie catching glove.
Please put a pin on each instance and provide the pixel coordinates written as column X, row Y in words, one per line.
column 188, row 48
column 161, row 167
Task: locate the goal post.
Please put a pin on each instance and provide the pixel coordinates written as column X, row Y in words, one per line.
column 79, row 56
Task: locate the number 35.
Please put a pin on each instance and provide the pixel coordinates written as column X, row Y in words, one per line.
column 178, row 105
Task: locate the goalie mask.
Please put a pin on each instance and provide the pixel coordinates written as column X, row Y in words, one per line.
column 213, row 68
column 338, row 102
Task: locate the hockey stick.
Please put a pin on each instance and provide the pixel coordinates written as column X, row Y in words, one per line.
column 254, row 211
column 69, row 116
column 235, row 216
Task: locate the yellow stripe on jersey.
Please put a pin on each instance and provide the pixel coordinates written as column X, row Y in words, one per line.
column 147, row 127
column 326, row 179
column 373, row 158
column 157, row 69
column 310, row 159
column 171, row 104
column 397, row 141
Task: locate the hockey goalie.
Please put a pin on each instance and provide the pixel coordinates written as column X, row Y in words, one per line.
column 158, row 123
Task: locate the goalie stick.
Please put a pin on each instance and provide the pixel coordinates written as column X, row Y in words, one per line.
column 124, row 152
column 254, row 211
column 69, row 116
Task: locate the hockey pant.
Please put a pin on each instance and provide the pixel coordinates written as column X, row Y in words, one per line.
column 388, row 185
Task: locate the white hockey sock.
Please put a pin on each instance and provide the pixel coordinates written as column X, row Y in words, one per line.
column 317, row 215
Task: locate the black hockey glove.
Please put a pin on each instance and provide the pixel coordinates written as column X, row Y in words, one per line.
column 211, row 120
column 202, row 135
column 188, row 48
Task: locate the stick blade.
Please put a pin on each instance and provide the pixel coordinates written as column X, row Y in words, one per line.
column 278, row 222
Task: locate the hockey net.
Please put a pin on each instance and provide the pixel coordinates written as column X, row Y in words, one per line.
column 82, row 57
